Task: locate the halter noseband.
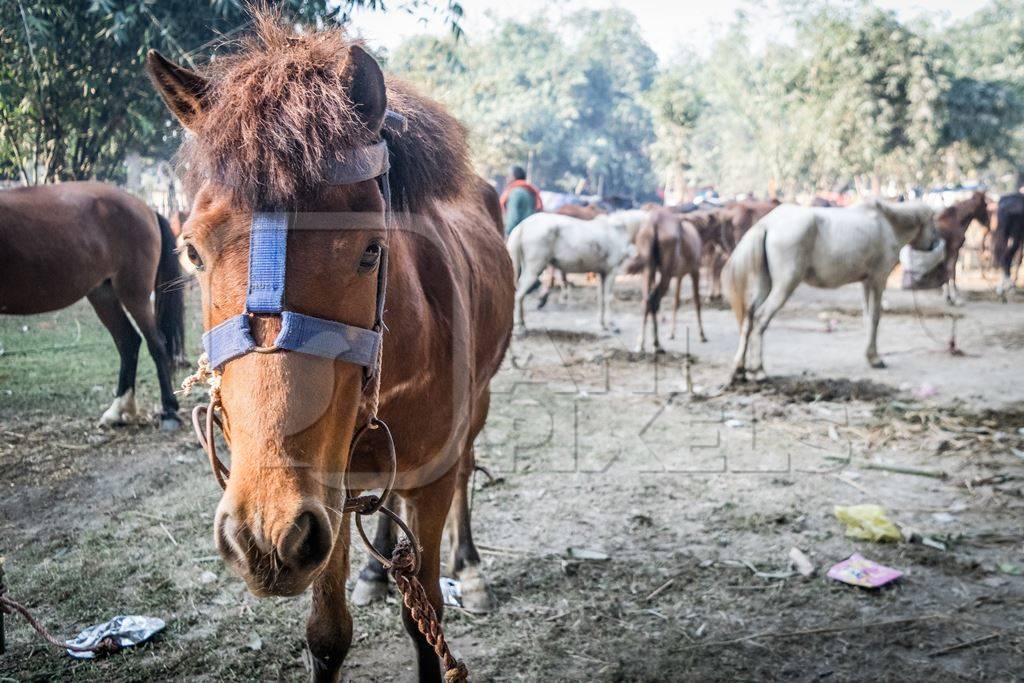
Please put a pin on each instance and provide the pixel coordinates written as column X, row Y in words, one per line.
column 268, row 240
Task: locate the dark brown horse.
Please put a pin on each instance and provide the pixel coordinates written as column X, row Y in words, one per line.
column 722, row 229
column 60, row 243
column 952, row 224
column 668, row 248
column 269, row 124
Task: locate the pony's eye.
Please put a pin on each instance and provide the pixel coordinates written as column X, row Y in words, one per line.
column 370, row 258
column 193, row 256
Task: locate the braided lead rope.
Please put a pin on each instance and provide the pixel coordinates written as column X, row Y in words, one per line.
column 403, row 570
column 10, row 606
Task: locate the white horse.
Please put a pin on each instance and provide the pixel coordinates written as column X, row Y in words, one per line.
column 574, row 246
column 824, row 248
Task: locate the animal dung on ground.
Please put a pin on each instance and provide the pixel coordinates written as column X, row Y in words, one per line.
column 123, row 631
column 867, row 522
column 860, row 571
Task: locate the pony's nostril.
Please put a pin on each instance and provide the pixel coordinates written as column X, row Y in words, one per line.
column 308, row 542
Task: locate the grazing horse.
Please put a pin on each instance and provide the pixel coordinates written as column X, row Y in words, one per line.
column 1009, row 236
column 668, row 248
column 824, row 248
column 952, row 224
column 60, row 243
column 572, row 245
column 304, row 156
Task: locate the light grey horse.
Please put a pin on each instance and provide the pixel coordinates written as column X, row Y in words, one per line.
column 574, row 246
column 823, row 247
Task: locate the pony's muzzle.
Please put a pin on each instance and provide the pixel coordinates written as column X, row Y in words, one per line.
column 279, row 558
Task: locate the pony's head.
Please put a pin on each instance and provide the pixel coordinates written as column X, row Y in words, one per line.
column 269, row 126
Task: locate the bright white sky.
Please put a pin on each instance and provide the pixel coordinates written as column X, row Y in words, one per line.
column 667, row 24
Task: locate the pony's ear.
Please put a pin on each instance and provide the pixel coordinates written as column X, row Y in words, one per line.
column 366, row 88
column 183, row 91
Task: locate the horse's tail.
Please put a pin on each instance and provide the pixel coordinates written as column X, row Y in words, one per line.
column 515, row 250
column 170, row 295
column 747, row 259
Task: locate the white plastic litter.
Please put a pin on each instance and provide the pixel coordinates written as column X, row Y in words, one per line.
column 126, row 631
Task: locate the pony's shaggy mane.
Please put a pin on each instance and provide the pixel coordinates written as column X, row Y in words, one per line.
column 277, row 116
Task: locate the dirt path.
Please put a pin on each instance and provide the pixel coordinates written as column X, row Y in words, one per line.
column 696, row 500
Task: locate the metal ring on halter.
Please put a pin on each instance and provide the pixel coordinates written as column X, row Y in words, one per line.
column 397, row 519
column 374, row 424
column 204, row 432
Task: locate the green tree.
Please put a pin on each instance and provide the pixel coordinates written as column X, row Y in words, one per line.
column 74, row 99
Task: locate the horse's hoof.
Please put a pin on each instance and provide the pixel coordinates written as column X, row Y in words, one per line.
column 877, row 364
column 367, row 592
column 519, row 332
column 672, row 335
column 703, row 339
column 476, row 595
column 738, row 377
column 170, row 423
column 659, row 350
column 542, row 302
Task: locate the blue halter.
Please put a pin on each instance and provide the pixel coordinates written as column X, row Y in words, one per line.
column 268, row 241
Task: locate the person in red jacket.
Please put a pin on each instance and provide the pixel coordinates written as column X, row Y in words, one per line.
column 519, row 200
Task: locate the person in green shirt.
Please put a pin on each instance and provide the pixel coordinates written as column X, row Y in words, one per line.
column 519, row 200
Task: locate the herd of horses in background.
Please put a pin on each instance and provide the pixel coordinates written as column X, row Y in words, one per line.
column 453, row 299
column 779, row 245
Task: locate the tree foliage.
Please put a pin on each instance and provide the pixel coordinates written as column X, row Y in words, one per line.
column 565, row 100
column 74, row 98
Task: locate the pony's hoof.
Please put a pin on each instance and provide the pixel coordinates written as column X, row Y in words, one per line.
column 170, row 423
column 703, row 339
column 738, row 377
column 877, row 364
column 659, row 350
column 519, row 332
column 367, row 592
column 542, row 302
column 476, row 595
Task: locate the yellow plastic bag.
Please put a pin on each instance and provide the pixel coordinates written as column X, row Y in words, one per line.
column 867, row 522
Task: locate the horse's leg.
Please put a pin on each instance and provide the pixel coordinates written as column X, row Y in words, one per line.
column 781, row 290
column 654, row 305
column 717, row 264
column 372, row 583
column 675, row 306
column 465, row 559
column 141, row 310
column 601, row 303
column 695, row 275
column 127, row 340
column 527, row 277
column 606, row 283
column 428, row 509
column 872, row 313
column 329, row 628
column 645, row 292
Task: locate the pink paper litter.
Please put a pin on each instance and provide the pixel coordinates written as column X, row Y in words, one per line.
column 860, row 571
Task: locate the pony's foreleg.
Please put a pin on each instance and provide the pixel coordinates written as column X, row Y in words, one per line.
column 372, row 584
column 465, row 559
column 606, row 283
column 695, row 275
column 128, row 341
column 329, row 629
column 872, row 314
column 428, row 509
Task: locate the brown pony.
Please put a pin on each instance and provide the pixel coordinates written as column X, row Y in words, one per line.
column 734, row 221
column 59, row 243
column 952, row 224
column 668, row 248
column 267, row 125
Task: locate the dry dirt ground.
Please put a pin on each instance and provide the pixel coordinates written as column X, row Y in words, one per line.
column 696, row 498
